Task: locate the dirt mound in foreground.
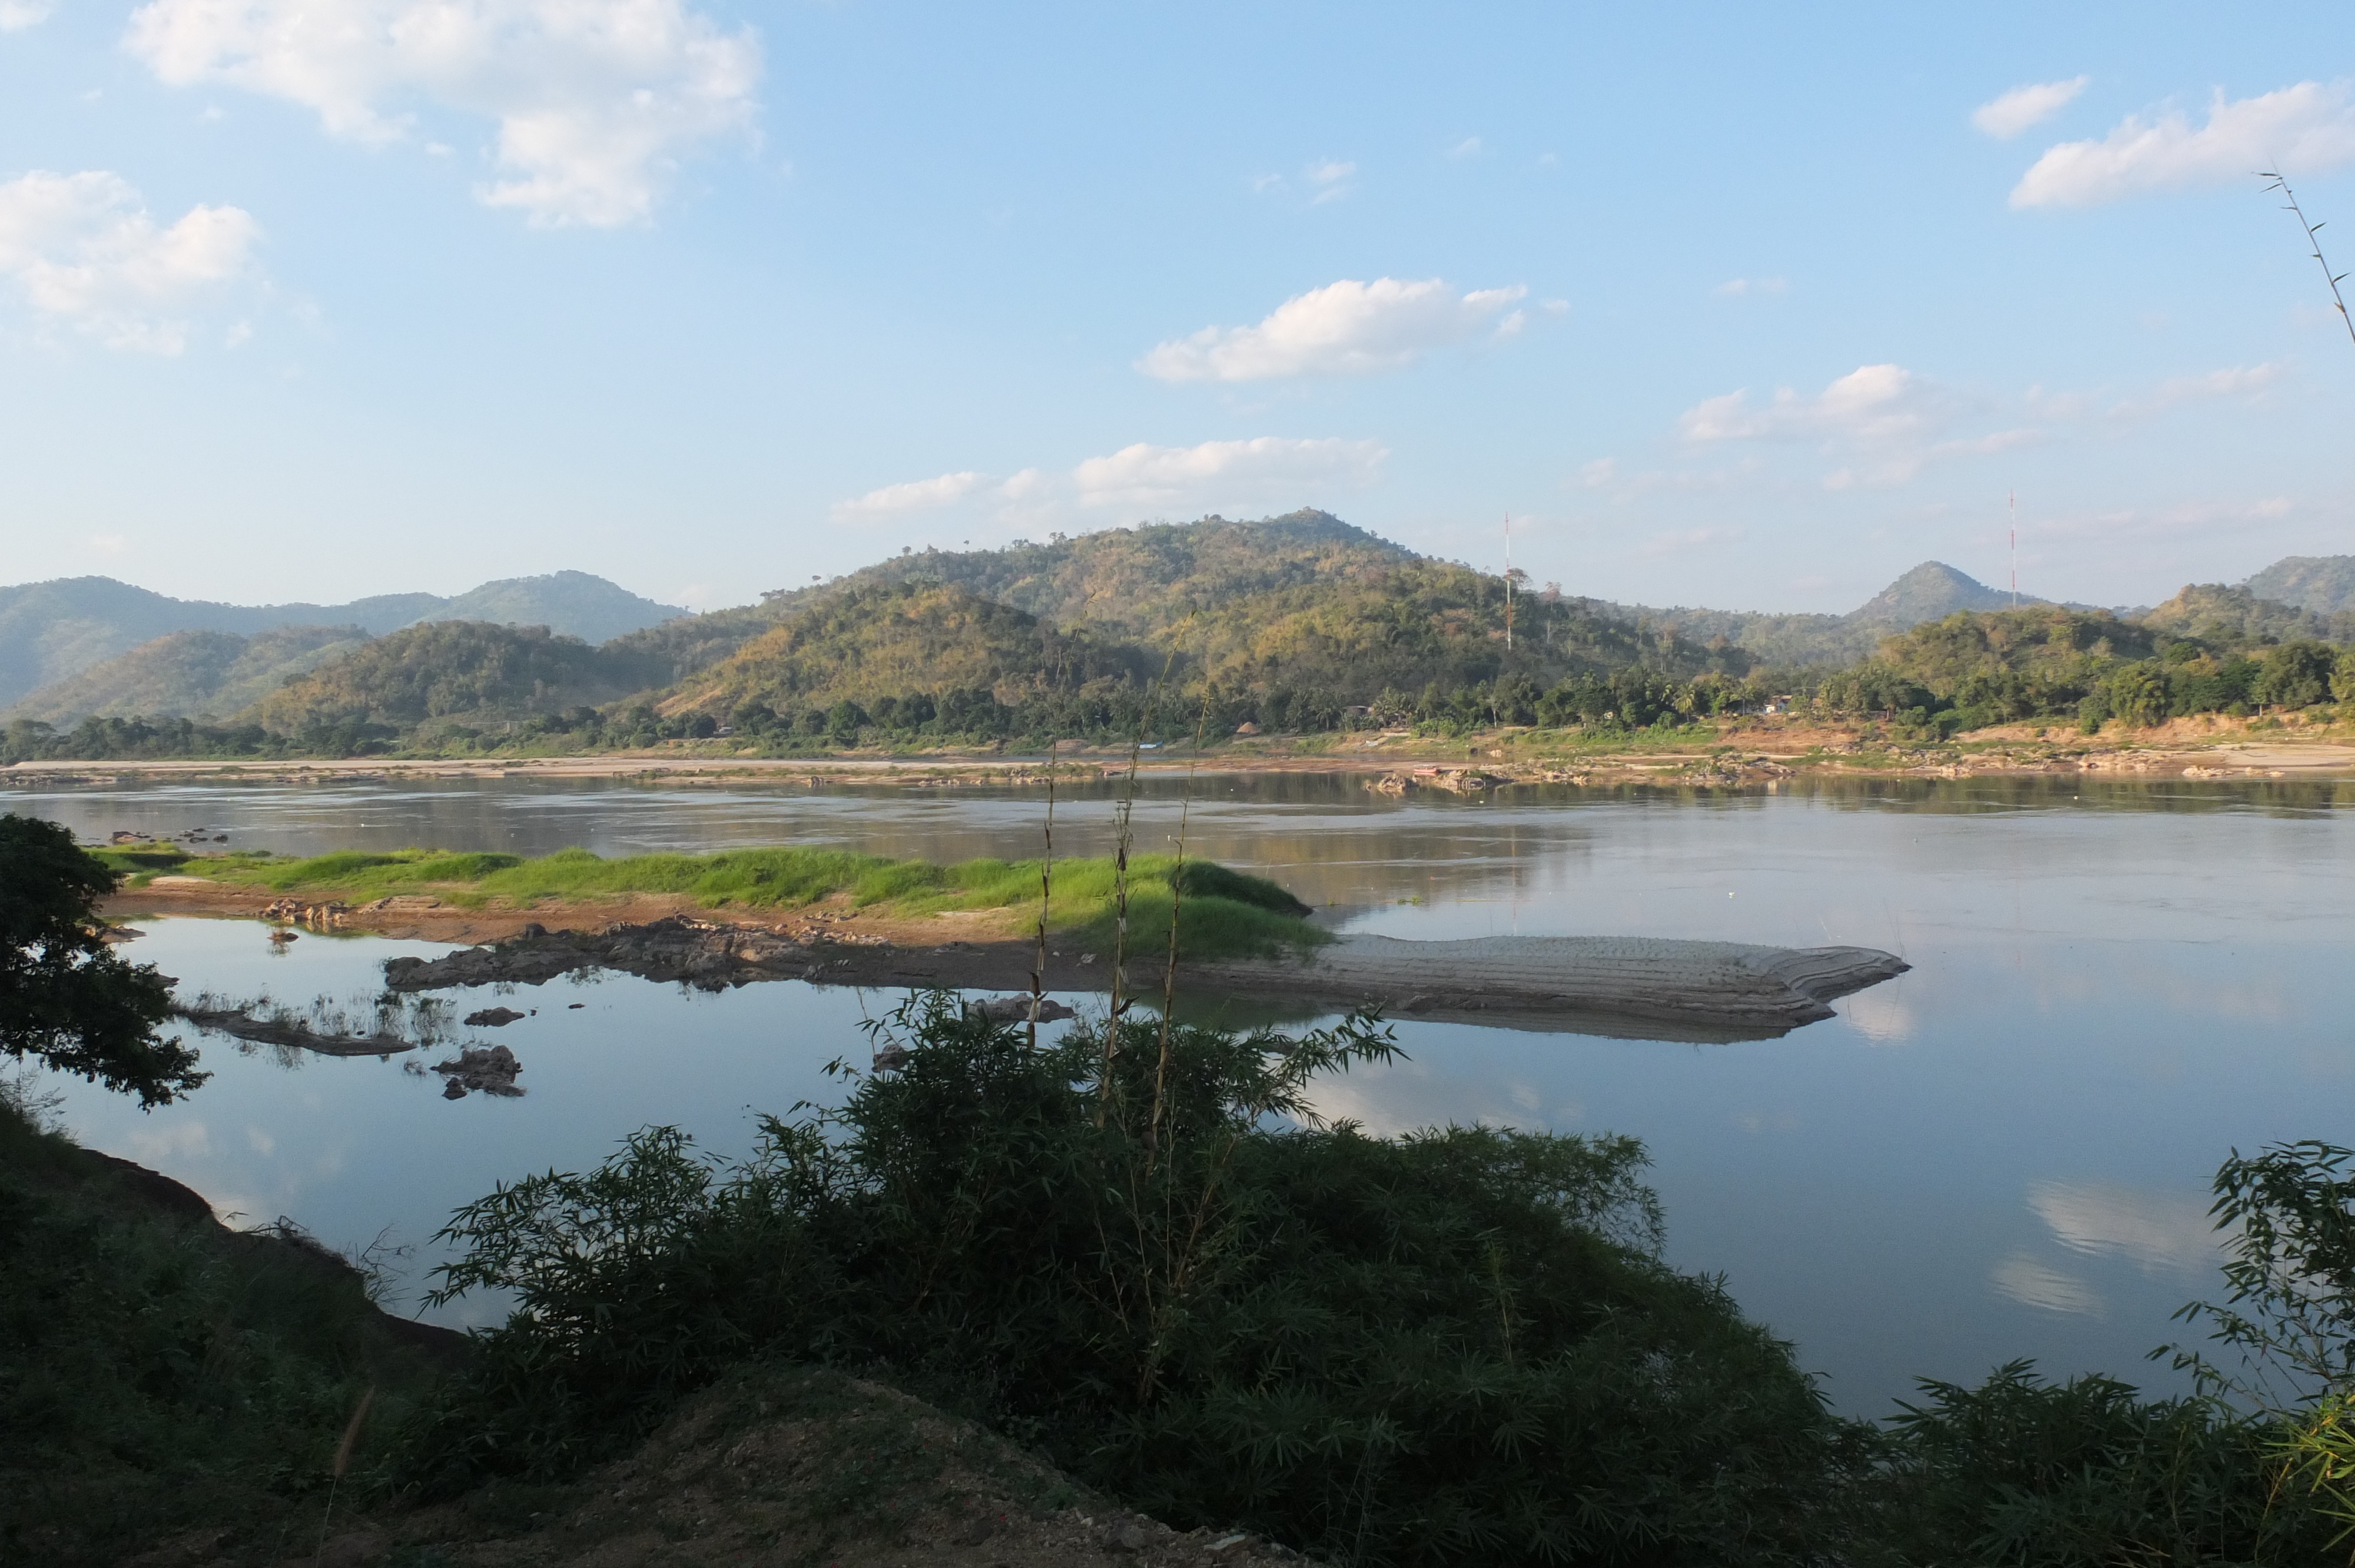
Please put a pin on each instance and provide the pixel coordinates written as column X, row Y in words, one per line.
column 781, row 1465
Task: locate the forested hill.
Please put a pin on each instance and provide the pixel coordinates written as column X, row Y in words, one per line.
column 207, row 673
column 2323, row 583
column 874, row 640
column 1137, row 581
column 52, row 631
column 466, row 673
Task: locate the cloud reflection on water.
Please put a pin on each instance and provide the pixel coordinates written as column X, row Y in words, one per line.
column 2152, row 1229
column 2034, row 1283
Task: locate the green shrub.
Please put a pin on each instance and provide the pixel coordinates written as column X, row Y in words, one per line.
column 2082, row 1474
column 1452, row 1347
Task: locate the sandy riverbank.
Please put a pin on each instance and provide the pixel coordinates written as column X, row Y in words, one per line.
column 1755, row 751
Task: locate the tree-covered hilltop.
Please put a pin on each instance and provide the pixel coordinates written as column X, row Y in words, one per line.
column 871, row 642
column 2323, row 583
column 2210, row 649
column 452, row 673
column 1138, row 581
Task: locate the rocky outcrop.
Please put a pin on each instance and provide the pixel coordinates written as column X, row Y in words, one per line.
column 241, row 1024
column 696, row 952
column 480, row 1069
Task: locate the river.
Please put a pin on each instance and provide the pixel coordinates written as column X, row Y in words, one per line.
column 2003, row 1153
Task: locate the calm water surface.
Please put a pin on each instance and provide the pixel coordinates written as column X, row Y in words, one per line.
column 2003, row 1153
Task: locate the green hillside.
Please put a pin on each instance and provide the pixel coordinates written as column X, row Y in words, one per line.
column 187, row 673
column 2236, row 617
column 2323, row 583
column 452, row 673
column 1137, row 581
column 874, row 640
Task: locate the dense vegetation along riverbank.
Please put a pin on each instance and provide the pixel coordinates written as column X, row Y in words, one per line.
column 1745, row 752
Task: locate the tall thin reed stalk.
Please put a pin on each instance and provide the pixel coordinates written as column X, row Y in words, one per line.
column 1046, row 891
column 1176, row 906
column 2314, row 241
column 1122, row 839
column 343, row 1462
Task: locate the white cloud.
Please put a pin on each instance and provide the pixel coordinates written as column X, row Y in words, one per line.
column 1467, row 148
column 15, row 16
column 915, row 495
column 1330, row 179
column 1346, row 328
column 1735, row 288
column 2308, row 127
column 1885, row 418
column 1268, row 468
column 85, row 251
column 2235, row 381
column 594, row 99
column 2014, row 111
column 1880, row 403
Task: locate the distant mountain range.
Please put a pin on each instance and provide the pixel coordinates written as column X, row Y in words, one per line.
column 1931, row 591
column 51, row 631
column 1304, row 602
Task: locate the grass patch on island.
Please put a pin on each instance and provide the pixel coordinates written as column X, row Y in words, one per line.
column 1220, row 912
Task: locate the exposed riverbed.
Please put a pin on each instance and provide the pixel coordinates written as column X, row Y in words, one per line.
column 2003, row 1152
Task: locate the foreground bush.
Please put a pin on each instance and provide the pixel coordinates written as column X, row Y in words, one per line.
column 1138, row 1250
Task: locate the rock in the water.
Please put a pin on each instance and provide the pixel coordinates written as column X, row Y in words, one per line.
column 1017, row 1010
column 492, row 1069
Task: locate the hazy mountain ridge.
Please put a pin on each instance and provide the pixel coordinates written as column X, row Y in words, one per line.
column 2322, row 584
column 1304, row 603
column 202, row 674
column 52, row 631
column 1931, row 591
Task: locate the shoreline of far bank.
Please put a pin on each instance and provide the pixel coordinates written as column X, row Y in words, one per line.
column 1755, row 752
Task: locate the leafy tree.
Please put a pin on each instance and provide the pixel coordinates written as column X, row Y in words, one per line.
column 65, row 999
column 2296, row 676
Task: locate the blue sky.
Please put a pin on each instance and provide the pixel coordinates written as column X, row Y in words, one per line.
column 1726, row 305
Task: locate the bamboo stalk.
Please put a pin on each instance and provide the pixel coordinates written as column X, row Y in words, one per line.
column 1046, row 891
column 1177, row 906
